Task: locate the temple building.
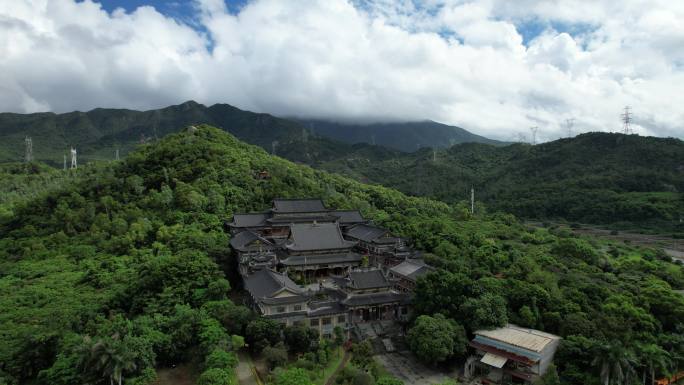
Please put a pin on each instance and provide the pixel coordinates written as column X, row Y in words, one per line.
column 511, row 354
column 318, row 249
column 370, row 297
column 380, row 243
column 303, row 263
column 406, row 274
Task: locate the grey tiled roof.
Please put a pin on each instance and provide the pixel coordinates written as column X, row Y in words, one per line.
column 348, row 216
column 369, row 279
column 316, row 236
column 366, row 233
column 249, row 220
column 240, row 240
column 300, row 260
column 319, row 217
column 411, row 269
column 298, row 205
column 265, row 283
column 325, row 308
column 375, row 299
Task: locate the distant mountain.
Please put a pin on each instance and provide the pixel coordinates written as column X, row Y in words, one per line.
column 602, row 178
column 98, row 133
column 627, row 181
column 403, row 136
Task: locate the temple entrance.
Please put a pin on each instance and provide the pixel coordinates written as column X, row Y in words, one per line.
column 375, row 313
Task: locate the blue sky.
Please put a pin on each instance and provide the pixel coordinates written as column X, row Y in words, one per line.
column 184, row 11
column 178, row 9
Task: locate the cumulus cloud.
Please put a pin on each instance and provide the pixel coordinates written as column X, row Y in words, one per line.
column 458, row 62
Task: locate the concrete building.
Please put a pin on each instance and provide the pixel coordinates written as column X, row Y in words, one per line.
column 511, row 354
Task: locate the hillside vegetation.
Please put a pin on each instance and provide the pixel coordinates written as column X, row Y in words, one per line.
column 602, row 178
column 403, row 136
column 129, row 261
column 626, row 182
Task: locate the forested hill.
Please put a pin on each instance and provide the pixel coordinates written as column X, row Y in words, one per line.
column 126, row 263
column 97, row 134
column 404, row 136
column 602, row 178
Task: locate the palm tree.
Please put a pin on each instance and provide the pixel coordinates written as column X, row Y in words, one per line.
column 615, row 362
column 653, row 358
column 108, row 357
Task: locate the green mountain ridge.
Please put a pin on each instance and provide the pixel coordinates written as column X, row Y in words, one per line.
column 133, row 256
column 98, row 133
column 600, row 178
column 403, row 136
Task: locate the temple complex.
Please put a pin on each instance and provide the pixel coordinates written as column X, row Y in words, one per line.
column 303, row 263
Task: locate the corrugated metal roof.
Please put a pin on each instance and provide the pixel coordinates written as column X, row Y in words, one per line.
column 530, row 339
column 493, row 360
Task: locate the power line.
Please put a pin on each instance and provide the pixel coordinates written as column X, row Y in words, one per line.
column 569, row 123
column 28, row 157
column 626, row 117
column 534, row 134
column 74, row 164
column 472, row 200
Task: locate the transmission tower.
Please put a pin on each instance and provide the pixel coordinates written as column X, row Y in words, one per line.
column 29, row 150
column 569, row 123
column 472, row 200
column 534, row 134
column 274, row 145
column 626, row 118
column 64, row 162
column 74, row 165
column 117, row 154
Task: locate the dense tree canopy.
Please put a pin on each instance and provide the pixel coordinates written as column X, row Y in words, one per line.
column 435, row 339
column 132, row 257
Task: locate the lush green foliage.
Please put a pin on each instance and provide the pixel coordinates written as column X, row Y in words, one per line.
column 403, row 136
column 435, row 339
column 292, row 376
column 135, row 253
column 618, row 180
column 625, row 181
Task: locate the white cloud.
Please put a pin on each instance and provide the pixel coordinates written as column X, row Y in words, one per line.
column 458, row 62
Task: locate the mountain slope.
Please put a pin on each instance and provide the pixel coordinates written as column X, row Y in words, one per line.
column 98, row 133
column 403, row 136
column 595, row 178
column 133, row 255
